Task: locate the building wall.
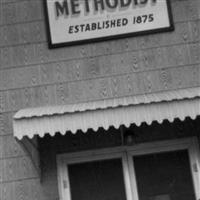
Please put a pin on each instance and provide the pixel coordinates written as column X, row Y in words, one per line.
column 32, row 75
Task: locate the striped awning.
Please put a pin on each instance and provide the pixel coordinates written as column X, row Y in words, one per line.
column 106, row 113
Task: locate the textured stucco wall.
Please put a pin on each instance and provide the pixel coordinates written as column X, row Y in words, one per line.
column 32, row 75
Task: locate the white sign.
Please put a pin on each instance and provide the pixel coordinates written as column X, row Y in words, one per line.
column 75, row 21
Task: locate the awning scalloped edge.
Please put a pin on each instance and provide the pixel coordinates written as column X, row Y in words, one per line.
column 117, row 116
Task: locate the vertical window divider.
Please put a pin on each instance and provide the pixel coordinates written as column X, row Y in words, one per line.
column 132, row 176
column 126, row 173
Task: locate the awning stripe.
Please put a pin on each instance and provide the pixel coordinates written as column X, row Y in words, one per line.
column 109, row 103
column 40, row 124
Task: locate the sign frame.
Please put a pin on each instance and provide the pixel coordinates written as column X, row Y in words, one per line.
column 51, row 45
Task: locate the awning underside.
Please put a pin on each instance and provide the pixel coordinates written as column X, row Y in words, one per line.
column 39, row 121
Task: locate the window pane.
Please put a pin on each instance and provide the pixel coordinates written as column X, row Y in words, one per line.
column 164, row 176
column 98, row 180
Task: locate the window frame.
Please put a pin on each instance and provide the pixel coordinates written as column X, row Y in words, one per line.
column 126, row 153
column 89, row 156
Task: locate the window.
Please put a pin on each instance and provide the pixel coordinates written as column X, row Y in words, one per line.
column 97, row 180
column 164, row 176
column 166, row 170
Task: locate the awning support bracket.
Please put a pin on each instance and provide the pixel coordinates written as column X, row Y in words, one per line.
column 31, row 148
